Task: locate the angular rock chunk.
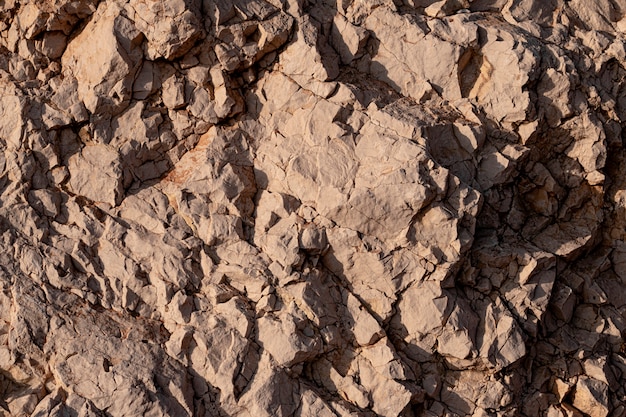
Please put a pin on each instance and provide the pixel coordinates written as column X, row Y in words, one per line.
column 305, row 63
column 591, row 397
column 366, row 329
column 272, row 393
column 289, row 338
column 405, row 65
column 56, row 15
column 387, row 192
column 106, row 77
column 12, row 104
column 503, row 55
column 170, row 28
column 347, row 39
column 389, row 397
column 432, row 312
column 95, row 173
column 281, row 242
column 244, row 44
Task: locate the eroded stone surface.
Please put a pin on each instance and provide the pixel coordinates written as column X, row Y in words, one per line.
column 264, row 208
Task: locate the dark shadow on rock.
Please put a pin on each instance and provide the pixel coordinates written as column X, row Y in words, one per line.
column 9, row 389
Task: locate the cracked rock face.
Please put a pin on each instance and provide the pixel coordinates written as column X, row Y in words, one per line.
column 294, row 208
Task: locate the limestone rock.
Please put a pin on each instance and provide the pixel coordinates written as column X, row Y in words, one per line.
column 12, row 106
column 105, row 79
column 590, row 397
column 95, row 173
column 244, row 44
column 292, row 208
column 170, row 29
column 288, row 338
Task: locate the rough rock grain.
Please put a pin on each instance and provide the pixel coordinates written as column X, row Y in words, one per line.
column 296, row 208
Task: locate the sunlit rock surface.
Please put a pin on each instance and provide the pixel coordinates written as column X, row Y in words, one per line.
column 294, row 208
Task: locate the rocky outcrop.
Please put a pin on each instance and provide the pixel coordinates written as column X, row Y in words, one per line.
column 266, row 208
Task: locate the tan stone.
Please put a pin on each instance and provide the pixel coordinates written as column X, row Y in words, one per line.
column 296, row 208
column 95, row 173
column 105, row 79
column 591, row 397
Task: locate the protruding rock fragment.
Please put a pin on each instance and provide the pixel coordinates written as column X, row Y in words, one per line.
column 591, row 397
column 95, row 173
column 105, row 79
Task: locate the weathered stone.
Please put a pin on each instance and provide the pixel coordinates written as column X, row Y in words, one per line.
column 170, row 29
column 404, row 64
column 105, row 80
column 95, row 173
column 347, row 39
column 266, row 208
column 174, row 92
column 288, row 338
column 563, row 302
column 432, row 313
column 591, row 397
column 366, row 329
column 12, row 105
column 246, row 43
column 303, row 60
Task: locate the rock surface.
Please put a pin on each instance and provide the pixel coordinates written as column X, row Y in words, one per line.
column 298, row 208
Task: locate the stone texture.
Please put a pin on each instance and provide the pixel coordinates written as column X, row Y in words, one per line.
column 591, row 397
column 294, row 208
column 95, row 173
column 105, row 77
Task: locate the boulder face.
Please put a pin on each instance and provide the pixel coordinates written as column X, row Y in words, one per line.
column 294, row 208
